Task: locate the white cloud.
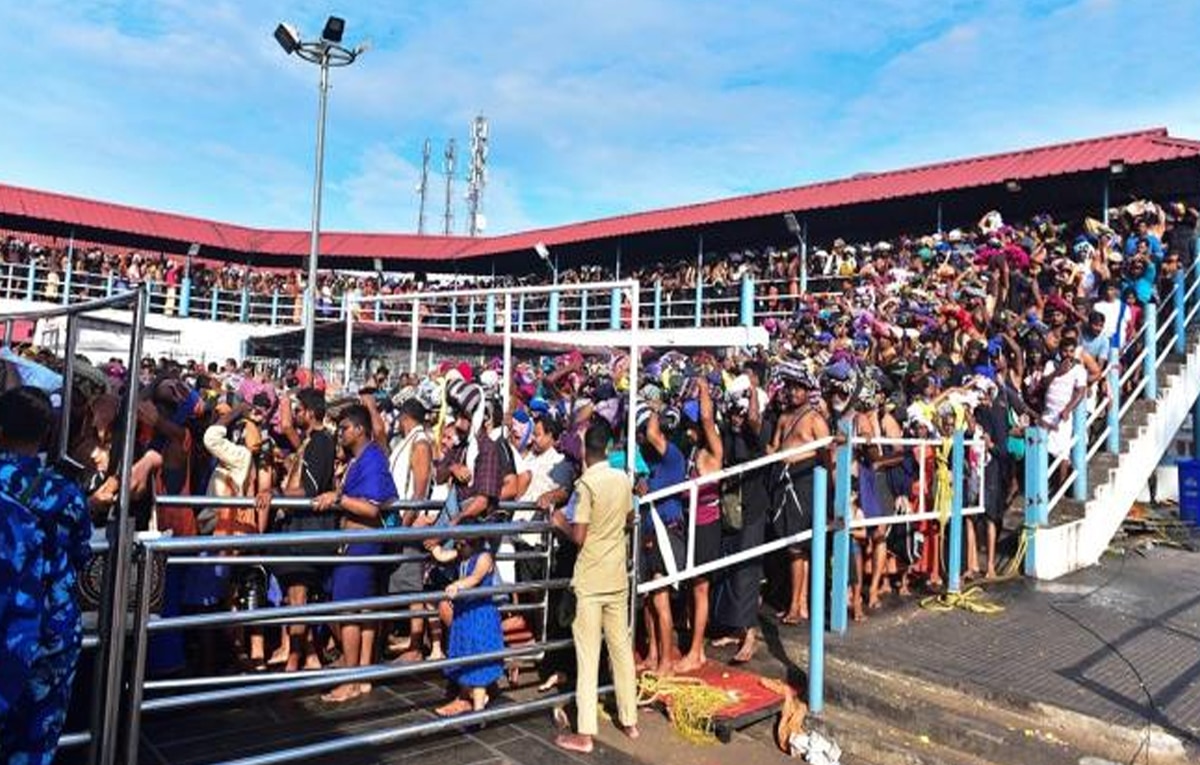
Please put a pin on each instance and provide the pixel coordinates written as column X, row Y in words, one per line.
column 597, row 108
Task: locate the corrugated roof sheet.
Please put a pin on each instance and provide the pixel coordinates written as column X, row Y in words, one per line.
column 1138, row 148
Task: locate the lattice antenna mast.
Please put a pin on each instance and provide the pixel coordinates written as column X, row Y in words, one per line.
column 448, row 171
column 477, row 178
column 423, row 186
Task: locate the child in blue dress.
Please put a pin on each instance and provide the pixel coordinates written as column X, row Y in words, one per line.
column 474, row 626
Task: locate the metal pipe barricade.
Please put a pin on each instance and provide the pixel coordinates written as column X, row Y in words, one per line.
column 244, row 687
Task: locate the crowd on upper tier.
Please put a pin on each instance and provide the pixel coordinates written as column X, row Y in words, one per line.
column 987, row 329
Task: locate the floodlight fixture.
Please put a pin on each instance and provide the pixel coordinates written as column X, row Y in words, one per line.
column 1013, row 185
column 288, row 38
column 793, row 225
column 335, row 27
column 1116, row 168
column 542, row 250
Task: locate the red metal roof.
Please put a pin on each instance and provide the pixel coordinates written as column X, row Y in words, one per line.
column 1138, row 148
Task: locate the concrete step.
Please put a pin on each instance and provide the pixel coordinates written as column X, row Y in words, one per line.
column 885, row 709
column 865, row 738
column 1066, row 511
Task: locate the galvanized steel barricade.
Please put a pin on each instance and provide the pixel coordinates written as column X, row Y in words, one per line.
column 101, row 734
column 840, row 525
column 199, row 691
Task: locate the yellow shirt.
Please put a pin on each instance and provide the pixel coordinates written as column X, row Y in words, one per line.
column 605, row 503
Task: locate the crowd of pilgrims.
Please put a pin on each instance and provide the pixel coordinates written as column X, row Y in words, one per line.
column 988, row 329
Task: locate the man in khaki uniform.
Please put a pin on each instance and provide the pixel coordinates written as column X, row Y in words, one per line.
column 601, row 585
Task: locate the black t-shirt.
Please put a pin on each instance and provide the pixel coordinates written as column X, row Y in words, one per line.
column 316, row 478
column 319, row 457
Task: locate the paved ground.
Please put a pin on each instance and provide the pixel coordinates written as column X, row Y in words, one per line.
column 1087, row 643
column 218, row 735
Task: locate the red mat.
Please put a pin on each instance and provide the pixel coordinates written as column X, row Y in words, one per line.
column 754, row 700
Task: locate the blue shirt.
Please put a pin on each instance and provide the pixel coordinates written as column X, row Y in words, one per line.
column 61, row 512
column 22, row 599
column 369, row 478
column 669, row 470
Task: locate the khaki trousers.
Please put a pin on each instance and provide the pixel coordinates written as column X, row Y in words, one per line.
column 608, row 616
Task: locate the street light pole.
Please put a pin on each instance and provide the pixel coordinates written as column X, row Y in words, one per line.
column 314, row 243
column 326, row 52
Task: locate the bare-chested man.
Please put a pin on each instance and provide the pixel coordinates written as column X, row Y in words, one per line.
column 800, row 423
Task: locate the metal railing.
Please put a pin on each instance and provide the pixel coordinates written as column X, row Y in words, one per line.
column 575, row 306
column 1131, row 374
column 187, row 693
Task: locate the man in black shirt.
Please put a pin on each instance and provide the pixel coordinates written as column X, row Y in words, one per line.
column 310, row 474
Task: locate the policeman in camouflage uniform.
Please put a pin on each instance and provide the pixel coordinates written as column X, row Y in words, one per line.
column 32, row 727
column 21, row 600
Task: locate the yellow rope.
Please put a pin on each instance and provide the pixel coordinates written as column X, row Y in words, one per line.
column 691, row 703
column 970, row 600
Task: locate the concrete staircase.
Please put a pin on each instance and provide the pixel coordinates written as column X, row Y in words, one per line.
column 1079, row 532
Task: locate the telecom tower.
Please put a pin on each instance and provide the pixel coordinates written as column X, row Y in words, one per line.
column 448, row 170
column 478, row 176
column 423, row 187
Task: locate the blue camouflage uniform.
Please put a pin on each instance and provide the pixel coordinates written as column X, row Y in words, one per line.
column 21, row 600
column 31, row 731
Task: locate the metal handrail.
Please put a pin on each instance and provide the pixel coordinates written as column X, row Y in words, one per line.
column 170, row 544
column 72, row 309
column 224, row 619
column 312, row 680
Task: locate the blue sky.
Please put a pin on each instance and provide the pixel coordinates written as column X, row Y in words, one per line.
column 597, row 107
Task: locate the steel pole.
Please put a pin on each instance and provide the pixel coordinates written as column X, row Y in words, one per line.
column 314, row 246
column 110, row 660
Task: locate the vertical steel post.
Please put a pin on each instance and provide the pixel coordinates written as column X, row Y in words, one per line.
column 1113, row 377
column 141, row 641
column 489, row 314
column 1037, row 492
column 185, row 296
column 552, row 319
column 614, row 308
column 348, row 342
column 957, row 490
column 414, row 324
column 110, row 658
column 804, row 259
column 471, row 314
column 631, row 446
column 30, row 283
column 68, row 389
column 314, row 241
column 506, row 389
column 274, row 308
column 1079, row 450
column 699, row 309
column 747, row 308
column 1150, row 343
column 841, row 531
column 521, row 313
column 68, row 271
column 1180, row 306
column 658, row 305
column 216, row 299
column 583, row 310
column 816, row 594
